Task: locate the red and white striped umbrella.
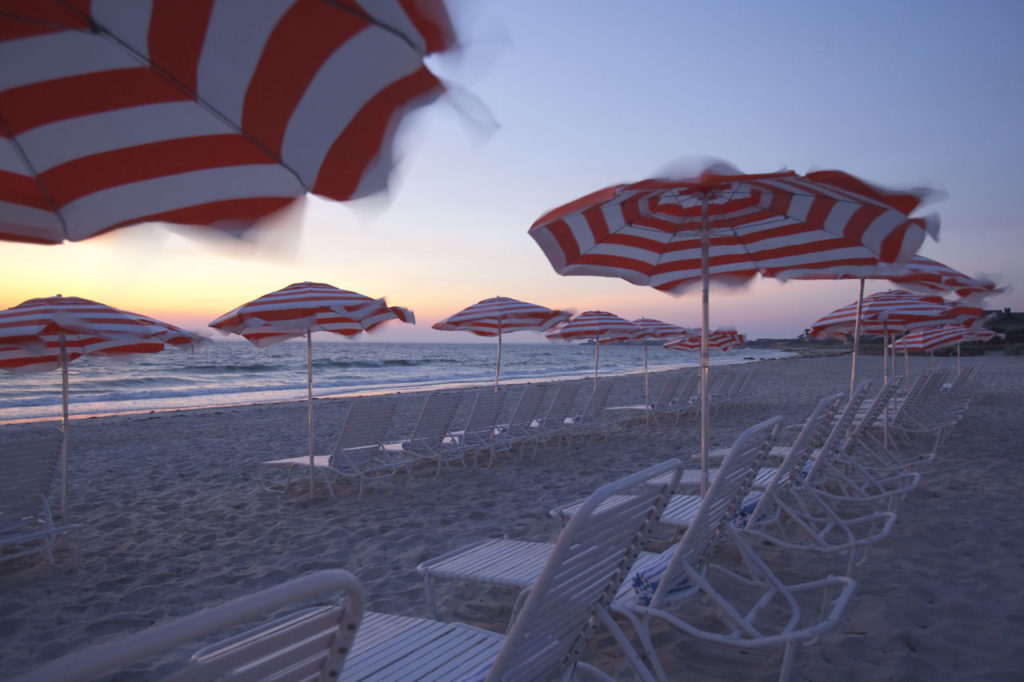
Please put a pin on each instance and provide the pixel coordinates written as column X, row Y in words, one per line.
column 215, row 112
column 917, row 274
column 892, row 311
column 726, row 226
column 932, row 338
column 656, row 329
column 501, row 315
column 719, row 339
column 597, row 326
column 47, row 333
column 301, row 309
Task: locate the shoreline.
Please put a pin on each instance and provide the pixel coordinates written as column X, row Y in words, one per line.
column 388, row 390
column 173, row 519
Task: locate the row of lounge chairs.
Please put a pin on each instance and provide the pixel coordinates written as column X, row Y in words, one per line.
column 362, row 453
column 827, row 492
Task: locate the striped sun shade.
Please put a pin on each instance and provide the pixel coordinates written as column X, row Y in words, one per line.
column 656, row 329
column 207, row 112
column 308, row 306
column 501, row 315
column 893, row 311
column 719, row 339
column 649, row 232
column 919, row 273
column 596, row 325
column 30, row 333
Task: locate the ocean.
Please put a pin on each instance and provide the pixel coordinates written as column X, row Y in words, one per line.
column 222, row 373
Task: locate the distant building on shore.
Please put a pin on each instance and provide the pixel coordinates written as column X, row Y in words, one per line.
column 1005, row 322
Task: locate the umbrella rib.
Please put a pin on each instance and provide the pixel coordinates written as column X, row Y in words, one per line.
column 35, row 175
column 363, row 15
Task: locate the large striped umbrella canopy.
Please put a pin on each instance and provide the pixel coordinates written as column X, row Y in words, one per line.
column 301, row 309
column 204, row 113
column 722, row 225
column 500, row 315
column 47, row 333
column 917, row 274
column 597, row 326
column 719, row 339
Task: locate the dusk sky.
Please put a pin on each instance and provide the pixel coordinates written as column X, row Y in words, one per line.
column 551, row 100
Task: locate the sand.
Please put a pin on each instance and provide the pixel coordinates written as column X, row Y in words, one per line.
column 174, row 520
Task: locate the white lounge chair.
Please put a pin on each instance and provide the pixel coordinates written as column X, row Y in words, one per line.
column 553, row 425
column 743, row 605
column 358, row 454
column 309, row 644
column 479, row 435
column 594, row 420
column 812, row 435
column 518, row 432
column 664, row 402
column 582, row 570
column 428, row 439
column 28, row 464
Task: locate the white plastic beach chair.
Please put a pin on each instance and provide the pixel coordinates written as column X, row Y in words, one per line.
column 478, row 436
column 28, row 464
column 553, row 425
column 813, row 433
column 358, row 454
column 308, row 644
column 743, row 605
column 518, row 431
column 594, row 420
column 581, row 571
column 429, row 439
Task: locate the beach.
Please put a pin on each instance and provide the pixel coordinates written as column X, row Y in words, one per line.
column 174, row 519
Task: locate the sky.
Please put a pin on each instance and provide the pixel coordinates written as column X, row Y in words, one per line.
column 552, row 99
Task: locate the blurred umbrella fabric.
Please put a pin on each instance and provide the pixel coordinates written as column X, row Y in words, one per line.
column 597, row 326
column 890, row 312
column 501, row 315
column 719, row 339
column 301, row 309
column 719, row 224
column 919, row 274
column 42, row 334
column 201, row 113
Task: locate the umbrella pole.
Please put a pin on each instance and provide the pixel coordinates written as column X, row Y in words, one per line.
column 64, row 430
column 647, row 391
column 906, row 360
column 497, row 369
column 309, row 385
column 856, row 337
column 705, row 247
column 885, row 380
column 597, row 354
column 958, row 359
